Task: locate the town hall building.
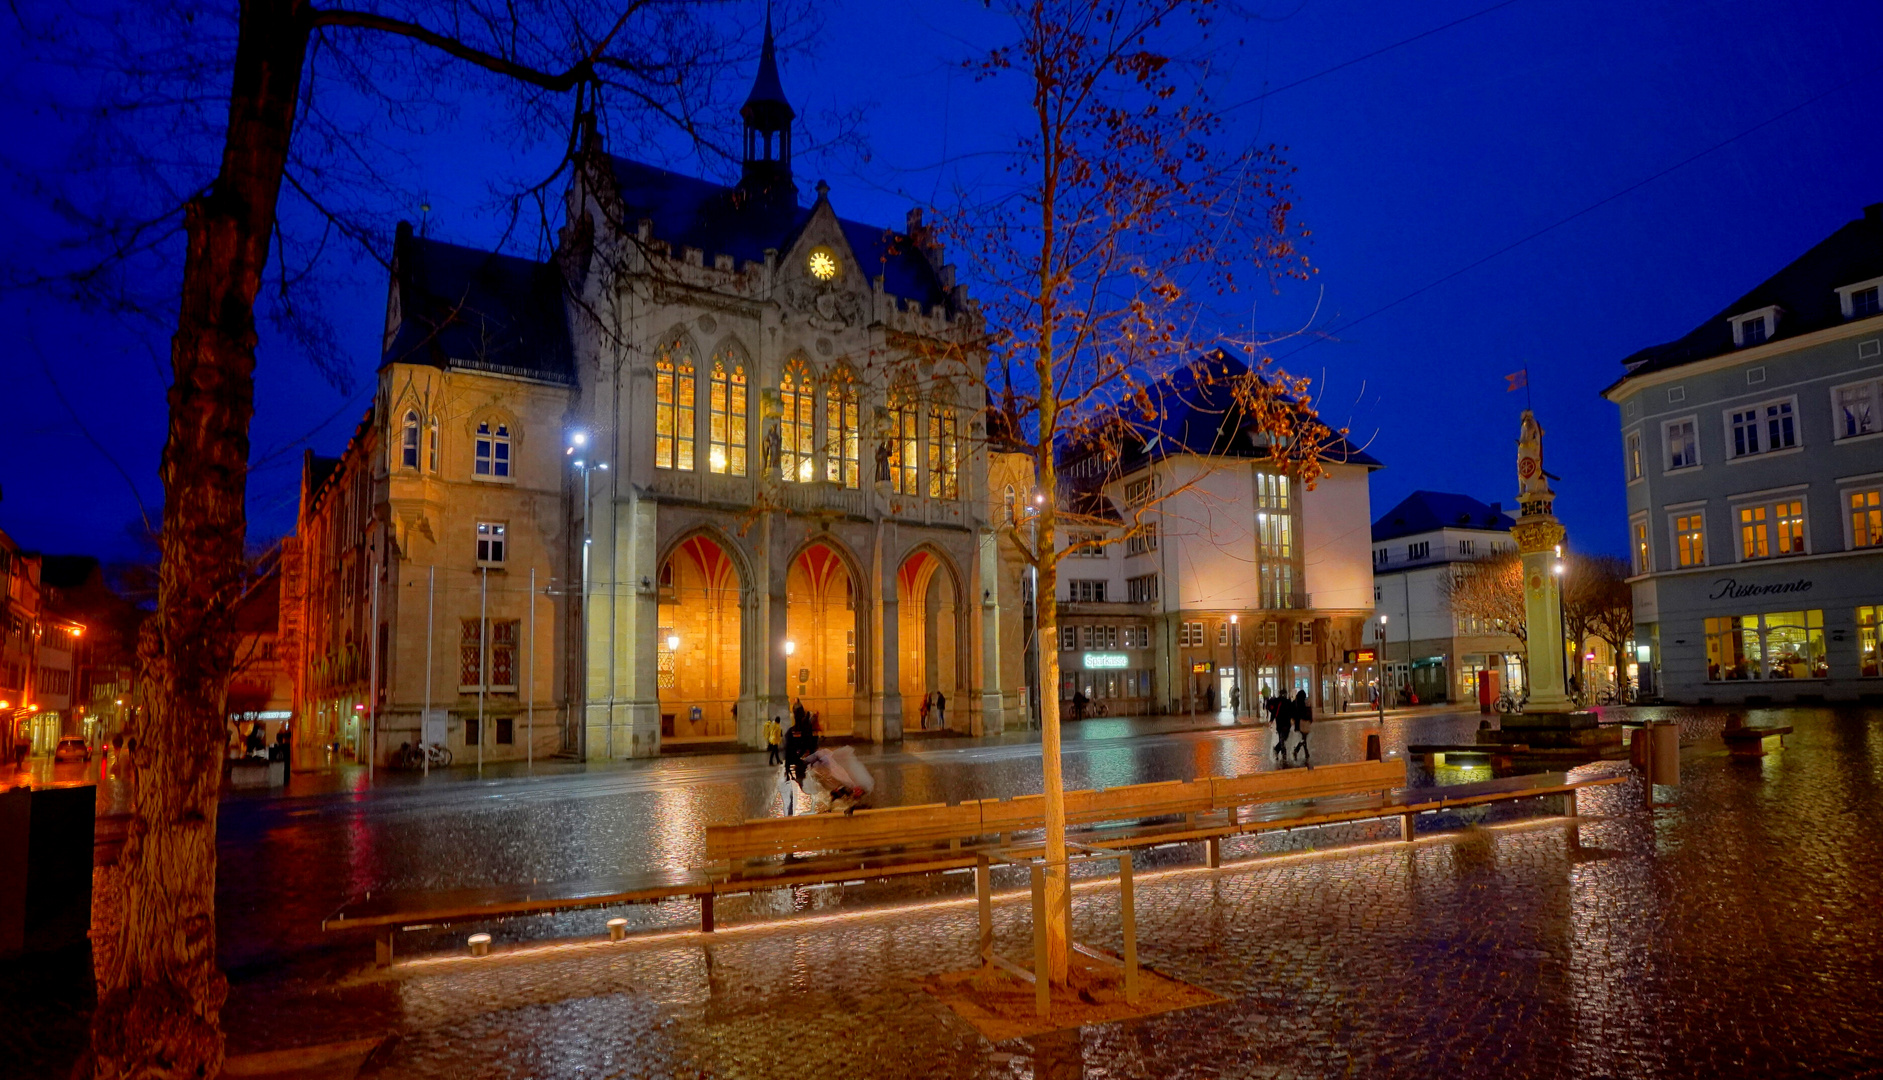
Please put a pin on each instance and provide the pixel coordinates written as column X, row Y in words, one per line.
column 722, row 455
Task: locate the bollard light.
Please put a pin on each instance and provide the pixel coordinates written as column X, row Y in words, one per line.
column 617, row 929
column 480, row 944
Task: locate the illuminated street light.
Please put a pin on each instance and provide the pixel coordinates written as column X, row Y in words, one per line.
column 790, row 647
column 673, row 642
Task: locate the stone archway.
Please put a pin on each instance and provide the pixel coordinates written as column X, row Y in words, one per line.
column 931, row 632
column 698, row 646
column 822, row 626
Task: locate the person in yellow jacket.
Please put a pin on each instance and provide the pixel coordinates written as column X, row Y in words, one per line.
column 774, row 738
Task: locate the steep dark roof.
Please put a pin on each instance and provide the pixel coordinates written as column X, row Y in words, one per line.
column 68, row 571
column 1198, row 414
column 1804, row 292
column 766, row 105
column 461, row 307
column 689, row 212
column 1429, row 511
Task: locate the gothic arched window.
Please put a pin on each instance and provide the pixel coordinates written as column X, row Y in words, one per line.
column 493, row 449
column 904, row 440
column 726, row 405
column 944, row 455
column 840, row 429
column 797, row 418
column 673, row 407
column 408, row 441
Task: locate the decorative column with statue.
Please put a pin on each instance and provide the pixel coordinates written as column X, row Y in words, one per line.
column 1549, row 720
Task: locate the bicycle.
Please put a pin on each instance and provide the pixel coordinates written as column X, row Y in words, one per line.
column 418, row 757
column 1615, row 695
column 1507, row 704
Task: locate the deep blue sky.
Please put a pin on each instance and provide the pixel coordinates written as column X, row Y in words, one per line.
column 1412, row 164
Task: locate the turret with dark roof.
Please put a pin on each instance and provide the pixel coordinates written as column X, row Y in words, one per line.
column 768, row 115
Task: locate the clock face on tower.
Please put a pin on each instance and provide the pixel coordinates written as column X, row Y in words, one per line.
column 822, row 264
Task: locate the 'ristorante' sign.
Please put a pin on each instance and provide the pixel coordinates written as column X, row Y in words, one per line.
column 1730, row 589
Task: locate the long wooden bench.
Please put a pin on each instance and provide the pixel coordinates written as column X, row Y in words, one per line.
column 1745, row 741
column 772, row 853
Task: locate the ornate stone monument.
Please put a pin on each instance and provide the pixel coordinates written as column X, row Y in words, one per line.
column 1550, row 720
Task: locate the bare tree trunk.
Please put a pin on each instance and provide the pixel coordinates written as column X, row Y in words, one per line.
column 160, row 993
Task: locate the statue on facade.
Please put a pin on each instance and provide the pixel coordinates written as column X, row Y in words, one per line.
column 882, row 462
column 774, row 448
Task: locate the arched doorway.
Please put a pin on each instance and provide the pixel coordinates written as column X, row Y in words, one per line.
column 697, row 647
column 930, row 619
column 823, row 632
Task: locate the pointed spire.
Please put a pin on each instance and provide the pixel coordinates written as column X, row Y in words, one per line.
column 766, row 107
column 768, row 116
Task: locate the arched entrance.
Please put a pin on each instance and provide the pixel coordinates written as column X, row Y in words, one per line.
column 823, row 632
column 697, row 647
column 929, row 610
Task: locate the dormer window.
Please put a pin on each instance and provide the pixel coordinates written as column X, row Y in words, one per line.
column 1754, row 327
column 1861, row 300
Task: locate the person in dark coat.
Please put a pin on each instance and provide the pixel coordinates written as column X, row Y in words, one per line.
column 1303, row 715
column 1282, row 716
column 941, row 711
column 800, row 743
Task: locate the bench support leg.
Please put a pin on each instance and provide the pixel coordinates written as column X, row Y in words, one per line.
column 1405, row 827
column 1213, row 852
column 984, row 896
column 1570, row 809
column 382, row 949
column 706, row 913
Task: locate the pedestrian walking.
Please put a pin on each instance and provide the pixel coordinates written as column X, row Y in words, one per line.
column 1235, row 701
column 941, row 712
column 1209, row 699
column 799, row 744
column 1304, row 718
column 1078, row 704
column 927, row 700
column 1279, row 715
column 774, row 739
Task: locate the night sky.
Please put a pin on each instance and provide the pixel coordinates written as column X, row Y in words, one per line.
column 1414, row 164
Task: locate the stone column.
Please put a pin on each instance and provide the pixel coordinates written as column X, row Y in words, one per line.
column 886, row 674
column 988, row 676
column 1539, row 538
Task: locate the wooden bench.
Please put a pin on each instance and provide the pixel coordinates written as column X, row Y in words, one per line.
column 389, row 913
column 1743, row 741
column 774, row 853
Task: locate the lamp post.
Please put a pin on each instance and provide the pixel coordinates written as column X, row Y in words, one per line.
column 577, row 440
column 1379, row 671
column 1562, row 619
column 1235, row 666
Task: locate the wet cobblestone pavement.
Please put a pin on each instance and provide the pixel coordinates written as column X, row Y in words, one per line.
column 1737, row 932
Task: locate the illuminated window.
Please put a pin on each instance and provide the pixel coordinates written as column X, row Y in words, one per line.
column 904, row 441
column 1633, row 455
column 1777, row 645
column 1790, row 518
column 944, row 458
column 797, row 419
column 1690, row 539
column 673, row 408
column 1755, row 541
column 408, row 441
column 1868, row 663
column 1643, row 555
column 840, row 430
column 1866, row 518
column 726, row 404
column 493, row 450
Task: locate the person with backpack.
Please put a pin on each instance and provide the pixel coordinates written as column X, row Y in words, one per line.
column 774, row 738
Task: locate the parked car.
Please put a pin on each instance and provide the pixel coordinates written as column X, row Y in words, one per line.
column 72, row 748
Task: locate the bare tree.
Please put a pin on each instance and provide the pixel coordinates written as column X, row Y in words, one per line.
column 1489, row 589
column 1125, row 218
column 294, row 94
column 1599, row 603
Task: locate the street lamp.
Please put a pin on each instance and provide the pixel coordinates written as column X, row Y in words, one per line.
column 1562, row 617
column 790, row 647
column 1235, row 665
column 673, row 643
column 1379, row 671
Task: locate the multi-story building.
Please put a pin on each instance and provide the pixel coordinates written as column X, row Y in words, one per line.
column 20, row 611
column 1753, row 458
column 1237, row 580
column 1425, row 645
column 736, row 443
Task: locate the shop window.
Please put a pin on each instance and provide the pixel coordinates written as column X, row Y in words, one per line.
column 1779, row 645
column 1868, row 663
